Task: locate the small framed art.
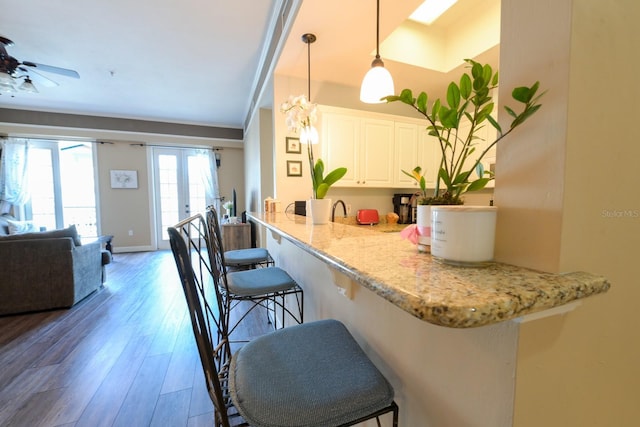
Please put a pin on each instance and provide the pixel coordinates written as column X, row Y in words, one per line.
column 124, row 179
column 294, row 168
column 293, row 145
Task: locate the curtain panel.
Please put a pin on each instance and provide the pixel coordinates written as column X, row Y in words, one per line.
column 14, row 177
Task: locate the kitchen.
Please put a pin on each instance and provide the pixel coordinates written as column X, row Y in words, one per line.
column 534, row 207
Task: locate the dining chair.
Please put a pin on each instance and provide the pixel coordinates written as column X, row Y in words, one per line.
column 270, row 287
column 313, row 374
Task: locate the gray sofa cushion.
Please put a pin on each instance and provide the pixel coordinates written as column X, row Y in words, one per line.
column 70, row 231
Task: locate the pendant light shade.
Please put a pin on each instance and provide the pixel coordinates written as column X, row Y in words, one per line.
column 377, row 83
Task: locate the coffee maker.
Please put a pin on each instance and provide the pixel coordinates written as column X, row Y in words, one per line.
column 404, row 205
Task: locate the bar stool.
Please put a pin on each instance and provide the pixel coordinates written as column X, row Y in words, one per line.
column 313, row 374
column 240, row 259
column 269, row 287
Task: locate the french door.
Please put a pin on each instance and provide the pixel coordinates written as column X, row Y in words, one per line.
column 179, row 187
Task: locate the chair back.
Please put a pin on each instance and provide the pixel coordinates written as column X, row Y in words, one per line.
column 217, row 250
column 190, row 249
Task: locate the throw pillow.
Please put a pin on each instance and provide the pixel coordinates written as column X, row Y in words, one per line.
column 19, row 227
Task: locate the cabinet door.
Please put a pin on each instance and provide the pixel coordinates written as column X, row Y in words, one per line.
column 429, row 156
column 341, row 143
column 376, row 153
column 406, row 155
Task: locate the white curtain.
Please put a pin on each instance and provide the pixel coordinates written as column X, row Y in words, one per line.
column 210, row 177
column 14, row 177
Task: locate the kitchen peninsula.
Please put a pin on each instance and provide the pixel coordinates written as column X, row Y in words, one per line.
column 446, row 337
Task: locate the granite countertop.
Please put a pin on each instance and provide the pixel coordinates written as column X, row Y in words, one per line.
column 445, row 295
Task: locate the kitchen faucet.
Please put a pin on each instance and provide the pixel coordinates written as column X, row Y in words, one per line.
column 333, row 211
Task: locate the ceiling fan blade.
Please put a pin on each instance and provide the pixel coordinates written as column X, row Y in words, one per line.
column 41, row 79
column 52, row 69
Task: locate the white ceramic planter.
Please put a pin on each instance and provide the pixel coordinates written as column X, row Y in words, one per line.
column 423, row 224
column 463, row 235
column 320, row 210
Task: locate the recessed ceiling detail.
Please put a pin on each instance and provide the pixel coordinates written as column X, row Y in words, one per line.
column 464, row 31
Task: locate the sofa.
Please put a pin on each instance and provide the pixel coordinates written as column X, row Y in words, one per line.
column 48, row 269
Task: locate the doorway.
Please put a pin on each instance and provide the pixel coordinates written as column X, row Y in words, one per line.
column 179, row 177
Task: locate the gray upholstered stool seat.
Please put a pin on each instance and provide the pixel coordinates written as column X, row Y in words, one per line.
column 249, row 256
column 260, row 281
column 313, row 374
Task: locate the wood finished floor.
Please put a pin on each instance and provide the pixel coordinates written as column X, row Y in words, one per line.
column 125, row 356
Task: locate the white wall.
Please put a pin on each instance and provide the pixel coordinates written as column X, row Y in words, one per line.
column 562, row 182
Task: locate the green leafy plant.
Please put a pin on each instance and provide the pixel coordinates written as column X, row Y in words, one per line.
column 301, row 115
column 322, row 183
column 468, row 101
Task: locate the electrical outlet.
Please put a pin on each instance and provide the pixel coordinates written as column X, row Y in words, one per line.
column 130, row 232
column 348, row 209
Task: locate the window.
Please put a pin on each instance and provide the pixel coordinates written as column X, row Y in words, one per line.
column 61, row 178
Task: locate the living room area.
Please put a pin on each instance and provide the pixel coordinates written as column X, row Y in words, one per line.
column 124, row 356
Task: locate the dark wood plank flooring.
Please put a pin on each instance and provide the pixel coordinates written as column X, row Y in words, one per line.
column 124, row 356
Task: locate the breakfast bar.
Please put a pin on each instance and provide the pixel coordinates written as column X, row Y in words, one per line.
column 430, row 290
column 446, row 337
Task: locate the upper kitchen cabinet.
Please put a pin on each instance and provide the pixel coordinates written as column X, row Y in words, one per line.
column 363, row 145
column 340, row 139
column 376, row 153
column 414, row 147
column 375, row 148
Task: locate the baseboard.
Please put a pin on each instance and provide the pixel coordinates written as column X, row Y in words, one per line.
column 121, row 249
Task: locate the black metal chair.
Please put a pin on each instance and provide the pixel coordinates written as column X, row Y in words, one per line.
column 312, row 374
column 270, row 287
column 242, row 259
column 193, row 232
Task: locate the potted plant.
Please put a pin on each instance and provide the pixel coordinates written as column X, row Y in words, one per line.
column 469, row 105
column 301, row 116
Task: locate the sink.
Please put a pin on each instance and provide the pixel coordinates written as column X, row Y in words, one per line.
column 387, row 228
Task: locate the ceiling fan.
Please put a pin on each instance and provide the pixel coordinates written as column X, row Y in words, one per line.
column 12, row 70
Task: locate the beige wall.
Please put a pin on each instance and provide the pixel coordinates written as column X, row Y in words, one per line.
column 569, row 195
column 122, row 210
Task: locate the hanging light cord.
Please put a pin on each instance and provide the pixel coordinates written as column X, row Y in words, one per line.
column 378, row 29
column 309, row 38
column 309, row 71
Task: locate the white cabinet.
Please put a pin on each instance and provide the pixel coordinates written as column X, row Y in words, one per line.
column 375, row 148
column 376, row 153
column 414, row 147
column 340, row 139
column 363, row 145
column 407, row 145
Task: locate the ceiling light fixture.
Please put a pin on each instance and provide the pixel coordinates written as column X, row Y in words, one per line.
column 309, row 134
column 28, row 86
column 431, row 10
column 9, row 84
column 377, row 83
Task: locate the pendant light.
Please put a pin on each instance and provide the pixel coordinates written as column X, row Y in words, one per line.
column 377, row 83
column 309, row 134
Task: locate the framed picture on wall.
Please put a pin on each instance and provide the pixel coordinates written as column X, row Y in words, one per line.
column 124, row 179
column 294, row 168
column 293, row 145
